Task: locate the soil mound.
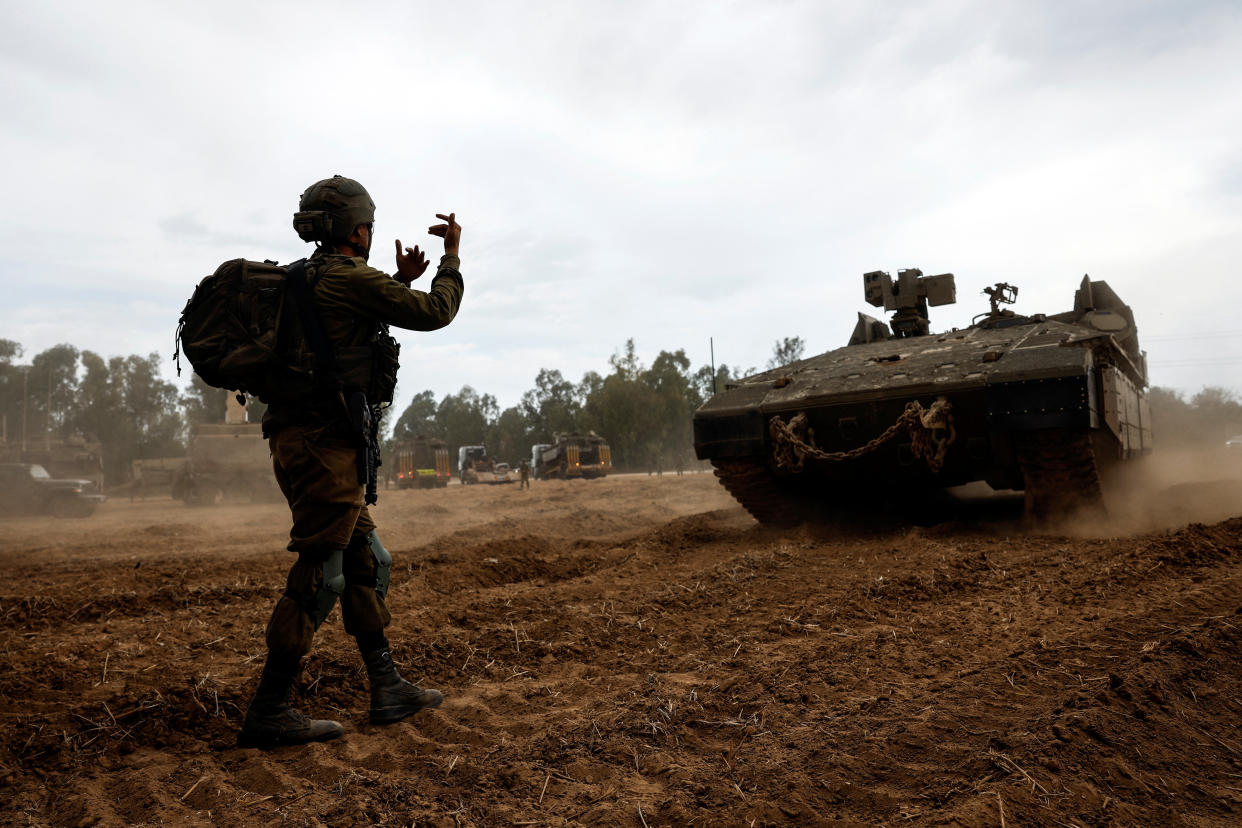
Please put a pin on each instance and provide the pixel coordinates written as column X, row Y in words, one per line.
column 637, row 651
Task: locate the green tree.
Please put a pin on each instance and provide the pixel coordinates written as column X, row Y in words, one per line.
column 1218, row 413
column 552, row 405
column 671, row 438
column 707, row 384
column 590, row 384
column 418, row 418
column 151, row 404
column 53, row 388
column 101, row 413
column 1171, row 416
column 203, row 404
column 623, row 409
column 463, row 418
column 1211, row 416
column 785, row 351
column 11, row 396
column 130, row 409
column 509, row 438
column 625, row 363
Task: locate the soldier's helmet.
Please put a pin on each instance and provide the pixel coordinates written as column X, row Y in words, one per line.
column 330, row 210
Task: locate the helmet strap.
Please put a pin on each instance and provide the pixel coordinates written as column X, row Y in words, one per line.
column 361, row 252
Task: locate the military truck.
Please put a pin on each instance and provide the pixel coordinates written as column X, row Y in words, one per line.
column 572, row 454
column 422, row 463
column 1044, row 403
column 227, row 461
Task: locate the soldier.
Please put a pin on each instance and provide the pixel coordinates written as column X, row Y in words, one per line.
column 316, row 455
column 137, row 487
column 524, row 471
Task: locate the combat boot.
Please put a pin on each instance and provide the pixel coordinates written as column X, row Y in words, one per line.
column 392, row 697
column 272, row 722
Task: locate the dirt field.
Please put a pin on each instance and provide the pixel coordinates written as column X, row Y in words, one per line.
column 636, row 651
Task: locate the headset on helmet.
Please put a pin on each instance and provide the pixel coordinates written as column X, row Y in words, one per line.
column 330, row 210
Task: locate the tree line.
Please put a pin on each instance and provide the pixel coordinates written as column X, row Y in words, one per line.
column 643, row 411
column 120, row 401
column 126, row 405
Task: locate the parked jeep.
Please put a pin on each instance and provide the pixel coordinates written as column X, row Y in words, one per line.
column 27, row 489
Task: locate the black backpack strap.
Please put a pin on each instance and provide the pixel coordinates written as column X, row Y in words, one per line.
column 312, row 325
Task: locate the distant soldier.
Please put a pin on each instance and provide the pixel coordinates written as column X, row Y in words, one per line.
column 524, row 471
column 317, row 448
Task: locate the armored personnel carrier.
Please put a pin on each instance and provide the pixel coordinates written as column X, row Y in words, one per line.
column 1045, row 403
column 227, row 461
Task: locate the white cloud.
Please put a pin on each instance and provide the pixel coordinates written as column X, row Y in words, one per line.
column 668, row 172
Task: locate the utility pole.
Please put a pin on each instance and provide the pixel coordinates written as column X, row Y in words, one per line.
column 25, row 403
column 47, row 436
column 711, row 343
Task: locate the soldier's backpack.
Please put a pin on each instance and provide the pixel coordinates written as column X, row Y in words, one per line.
column 254, row 327
column 243, row 330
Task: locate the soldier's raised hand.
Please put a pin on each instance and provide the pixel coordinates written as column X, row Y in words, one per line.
column 411, row 264
column 450, row 231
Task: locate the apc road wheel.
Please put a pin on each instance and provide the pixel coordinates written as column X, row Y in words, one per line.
column 1060, row 474
column 760, row 492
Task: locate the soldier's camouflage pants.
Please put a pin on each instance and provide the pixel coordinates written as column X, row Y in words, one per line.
column 317, row 472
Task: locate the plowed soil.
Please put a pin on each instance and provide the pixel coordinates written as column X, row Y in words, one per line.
column 637, row 651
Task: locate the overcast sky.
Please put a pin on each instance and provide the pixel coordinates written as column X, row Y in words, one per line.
column 671, row 172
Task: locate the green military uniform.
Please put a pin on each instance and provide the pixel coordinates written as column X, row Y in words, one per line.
column 318, row 449
column 315, row 457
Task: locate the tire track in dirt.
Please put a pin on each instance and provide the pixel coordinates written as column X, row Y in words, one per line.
column 919, row 587
column 913, row 703
column 939, row 584
column 697, row 667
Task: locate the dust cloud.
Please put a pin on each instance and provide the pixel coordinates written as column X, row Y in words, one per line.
column 1171, row 489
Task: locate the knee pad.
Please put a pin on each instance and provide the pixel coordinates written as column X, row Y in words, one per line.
column 383, row 563
column 331, row 588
